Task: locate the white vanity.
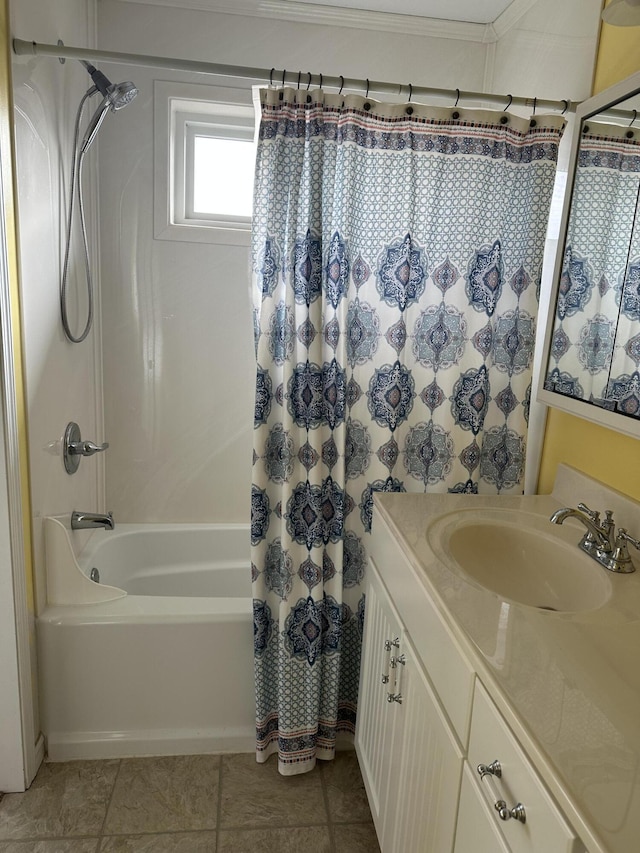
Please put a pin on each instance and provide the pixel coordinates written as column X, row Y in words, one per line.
column 455, row 675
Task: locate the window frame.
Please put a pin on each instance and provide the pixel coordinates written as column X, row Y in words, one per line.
column 180, row 109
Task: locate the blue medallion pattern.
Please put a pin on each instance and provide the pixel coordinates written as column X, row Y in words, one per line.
column 307, row 268
column 513, row 342
column 263, row 397
column 315, row 514
column 390, row 395
column 336, row 271
column 628, row 294
column 262, row 626
column 402, row 273
column 363, row 332
column 428, row 453
column 268, row 266
column 357, row 449
column 278, row 569
column 484, row 279
column 625, row 391
column 575, row 286
column 502, row 458
column 279, row 454
column 470, row 400
column 260, row 514
column 394, row 323
column 595, row 346
column 281, row 334
column 439, row 337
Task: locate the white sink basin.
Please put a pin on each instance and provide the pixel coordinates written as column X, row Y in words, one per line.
column 521, row 557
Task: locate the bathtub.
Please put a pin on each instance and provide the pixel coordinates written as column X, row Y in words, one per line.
column 157, row 658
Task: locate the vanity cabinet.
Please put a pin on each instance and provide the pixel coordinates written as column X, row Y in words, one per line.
column 426, row 721
column 410, row 758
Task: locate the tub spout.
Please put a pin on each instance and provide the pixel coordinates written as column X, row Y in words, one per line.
column 83, row 520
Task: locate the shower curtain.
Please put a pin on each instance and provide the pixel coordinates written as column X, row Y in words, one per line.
column 396, row 261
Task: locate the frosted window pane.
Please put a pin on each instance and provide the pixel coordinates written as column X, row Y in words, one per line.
column 223, row 176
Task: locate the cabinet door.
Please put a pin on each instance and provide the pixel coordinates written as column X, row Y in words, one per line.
column 375, row 718
column 476, row 832
column 426, row 766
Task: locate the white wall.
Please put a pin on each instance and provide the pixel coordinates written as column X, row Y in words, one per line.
column 178, row 357
column 62, row 378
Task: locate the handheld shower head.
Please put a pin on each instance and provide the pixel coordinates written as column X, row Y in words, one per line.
column 115, row 97
column 118, row 95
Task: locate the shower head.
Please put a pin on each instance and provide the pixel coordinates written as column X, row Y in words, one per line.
column 117, row 95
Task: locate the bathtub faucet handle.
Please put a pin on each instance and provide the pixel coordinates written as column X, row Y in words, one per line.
column 87, row 448
column 74, row 448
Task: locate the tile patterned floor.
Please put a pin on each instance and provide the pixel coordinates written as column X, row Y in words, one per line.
column 189, row 804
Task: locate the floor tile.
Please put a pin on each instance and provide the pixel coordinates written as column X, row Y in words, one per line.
column 291, row 840
column 65, row 799
column 171, row 842
column 83, row 845
column 356, row 838
column 171, row 794
column 257, row 795
column 345, row 789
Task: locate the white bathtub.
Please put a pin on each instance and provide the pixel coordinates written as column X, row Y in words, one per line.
column 166, row 666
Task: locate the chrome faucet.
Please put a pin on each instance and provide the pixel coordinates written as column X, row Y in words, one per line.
column 601, row 541
column 84, row 520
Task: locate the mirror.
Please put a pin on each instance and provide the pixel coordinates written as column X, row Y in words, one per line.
column 591, row 362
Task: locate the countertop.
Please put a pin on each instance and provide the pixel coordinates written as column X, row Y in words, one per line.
column 568, row 683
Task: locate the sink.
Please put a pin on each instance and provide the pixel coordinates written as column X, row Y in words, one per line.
column 522, row 558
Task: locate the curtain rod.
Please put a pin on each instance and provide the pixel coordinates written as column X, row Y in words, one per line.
column 298, row 78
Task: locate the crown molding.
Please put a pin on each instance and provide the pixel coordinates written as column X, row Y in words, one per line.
column 291, row 10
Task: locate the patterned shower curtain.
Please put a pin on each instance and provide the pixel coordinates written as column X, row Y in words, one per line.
column 594, row 357
column 396, row 262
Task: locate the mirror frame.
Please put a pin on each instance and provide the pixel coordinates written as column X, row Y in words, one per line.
column 582, row 408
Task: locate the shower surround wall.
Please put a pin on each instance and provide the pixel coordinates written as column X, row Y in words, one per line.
column 178, row 339
column 63, row 381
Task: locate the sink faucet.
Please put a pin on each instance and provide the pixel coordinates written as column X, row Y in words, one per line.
column 83, row 520
column 601, row 541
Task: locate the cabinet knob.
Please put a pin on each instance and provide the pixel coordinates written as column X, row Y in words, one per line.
column 488, row 774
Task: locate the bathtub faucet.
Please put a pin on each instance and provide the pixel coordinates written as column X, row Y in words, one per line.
column 83, row 520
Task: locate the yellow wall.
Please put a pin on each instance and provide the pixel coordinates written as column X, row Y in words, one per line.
column 597, row 451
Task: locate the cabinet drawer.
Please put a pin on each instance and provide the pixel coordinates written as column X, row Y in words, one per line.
column 545, row 828
column 450, row 673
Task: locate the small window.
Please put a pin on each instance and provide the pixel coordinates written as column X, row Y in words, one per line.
column 205, row 163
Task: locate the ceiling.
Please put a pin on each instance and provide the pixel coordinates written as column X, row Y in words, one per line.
column 473, row 11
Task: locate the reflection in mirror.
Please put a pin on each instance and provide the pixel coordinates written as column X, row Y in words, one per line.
column 594, row 350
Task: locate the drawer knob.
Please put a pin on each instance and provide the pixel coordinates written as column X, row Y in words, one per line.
column 488, row 774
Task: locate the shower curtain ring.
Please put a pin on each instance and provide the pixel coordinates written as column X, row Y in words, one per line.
column 299, row 76
column 410, row 93
column 321, row 80
column 283, row 73
column 457, row 98
column 309, row 80
column 535, row 101
column 271, row 76
column 341, row 84
column 635, row 116
column 367, row 92
column 566, row 106
column 508, row 104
